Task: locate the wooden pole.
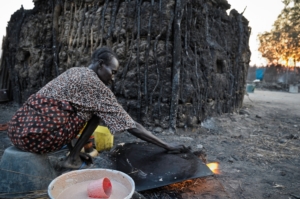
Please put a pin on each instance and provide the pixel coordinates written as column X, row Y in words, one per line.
column 176, row 64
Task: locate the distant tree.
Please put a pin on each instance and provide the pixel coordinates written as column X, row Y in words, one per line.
column 281, row 44
column 287, row 2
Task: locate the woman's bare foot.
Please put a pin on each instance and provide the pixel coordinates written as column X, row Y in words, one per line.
column 76, row 161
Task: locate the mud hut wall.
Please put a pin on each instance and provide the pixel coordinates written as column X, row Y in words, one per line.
column 215, row 62
column 58, row 35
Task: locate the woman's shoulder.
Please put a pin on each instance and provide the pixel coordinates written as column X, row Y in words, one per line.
column 79, row 69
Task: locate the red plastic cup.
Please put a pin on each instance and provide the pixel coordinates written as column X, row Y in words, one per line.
column 100, row 188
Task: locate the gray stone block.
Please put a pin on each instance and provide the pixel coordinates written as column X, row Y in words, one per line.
column 22, row 172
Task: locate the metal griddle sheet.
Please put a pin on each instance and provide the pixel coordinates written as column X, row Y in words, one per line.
column 151, row 166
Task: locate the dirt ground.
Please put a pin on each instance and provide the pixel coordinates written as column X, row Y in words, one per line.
column 258, row 149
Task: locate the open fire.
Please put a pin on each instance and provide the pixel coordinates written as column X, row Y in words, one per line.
column 214, row 167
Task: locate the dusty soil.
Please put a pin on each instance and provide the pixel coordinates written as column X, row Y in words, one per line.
column 258, row 149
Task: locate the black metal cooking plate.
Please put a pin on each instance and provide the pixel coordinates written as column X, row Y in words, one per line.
column 151, row 166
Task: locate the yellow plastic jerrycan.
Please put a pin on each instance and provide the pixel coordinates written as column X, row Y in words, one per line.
column 104, row 140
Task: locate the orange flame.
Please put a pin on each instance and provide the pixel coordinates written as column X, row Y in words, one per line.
column 214, row 167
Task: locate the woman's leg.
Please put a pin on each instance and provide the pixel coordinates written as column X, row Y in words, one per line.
column 73, row 160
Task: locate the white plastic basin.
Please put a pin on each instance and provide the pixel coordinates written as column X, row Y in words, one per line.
column 74, row 184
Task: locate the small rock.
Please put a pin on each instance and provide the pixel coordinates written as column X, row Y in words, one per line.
column 233, row 119
column 282, row 141
column 164, row 124
column 221, row 158
column 236, row 135
column 243, row 112
column 292, row 136
column 157, row 130
column 230, row 160
column 282, row 173
column 184, row 156
column 137, row 195
column 279, row 186
column 209, row 124
column 235, row 158
column 186, row 138
column 257, row 116
column 199, row 146
column 267, row 195
column 168, row 132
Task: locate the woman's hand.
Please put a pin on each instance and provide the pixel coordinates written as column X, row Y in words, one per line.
column 177, row 148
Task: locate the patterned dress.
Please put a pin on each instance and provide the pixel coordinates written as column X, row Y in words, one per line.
column 54, row 115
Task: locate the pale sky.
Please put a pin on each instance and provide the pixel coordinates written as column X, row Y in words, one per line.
column 6, row 10
column 260, row 13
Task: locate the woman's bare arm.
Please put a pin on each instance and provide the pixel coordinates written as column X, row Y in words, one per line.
column 146, row 135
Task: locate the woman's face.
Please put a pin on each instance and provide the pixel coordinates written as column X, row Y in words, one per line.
column 107, row 72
